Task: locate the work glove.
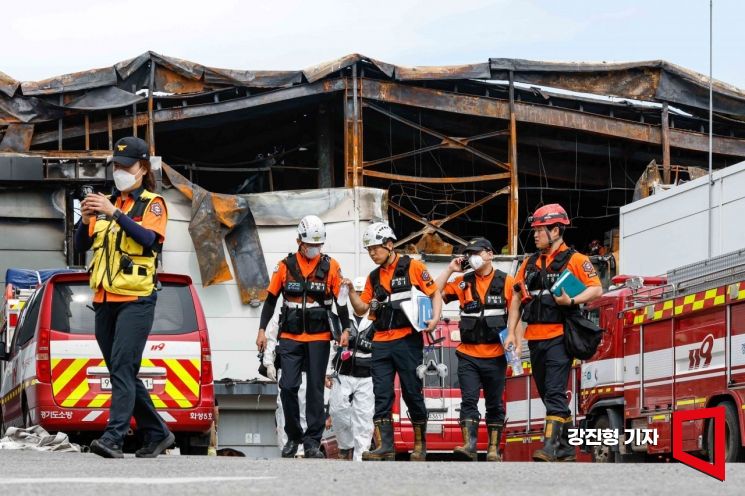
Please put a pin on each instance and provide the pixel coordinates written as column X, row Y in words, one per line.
column 271, row 372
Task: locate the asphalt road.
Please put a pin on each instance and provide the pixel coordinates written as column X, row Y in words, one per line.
column 86, row 474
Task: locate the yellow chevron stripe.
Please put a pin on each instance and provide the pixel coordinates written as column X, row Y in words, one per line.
column 77, row 394
column 182, row 374
column 697, row 305
column 99, row 400
column 719, row 300
column 197, row 363
column 710, row 293
column 667, row 305
column 176, row 395
column 62, row 381
column 689, row 299
column 157, row 401
column 55, row 362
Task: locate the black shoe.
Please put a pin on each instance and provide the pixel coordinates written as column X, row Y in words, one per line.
column 290, row 449
column 107, row 449
column 313, row 452
column 155, row 448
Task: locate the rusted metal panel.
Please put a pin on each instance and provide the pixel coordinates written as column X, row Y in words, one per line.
column 466, row 71
column 17, row 138
column 94, row 78
column 8, row 85
column 26, row 109
column 104, row 98
column 216, row 217
column 252, row 79
column 170, row 81
column 320, row 71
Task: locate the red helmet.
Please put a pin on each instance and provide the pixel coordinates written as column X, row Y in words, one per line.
column 548, row 215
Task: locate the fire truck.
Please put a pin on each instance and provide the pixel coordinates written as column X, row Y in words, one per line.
column 672, row 343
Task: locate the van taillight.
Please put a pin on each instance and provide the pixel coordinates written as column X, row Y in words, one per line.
column 206, row 357
column 43, row 364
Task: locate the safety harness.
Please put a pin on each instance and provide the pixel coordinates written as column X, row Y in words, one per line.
column 481, row 322
column 307, row 301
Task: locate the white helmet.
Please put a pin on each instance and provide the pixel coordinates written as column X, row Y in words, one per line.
column 311, row 230
column 376, row 234
column 359, row 283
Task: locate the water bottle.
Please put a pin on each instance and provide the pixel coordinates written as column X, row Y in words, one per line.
column 343, row 295
column 513, row 361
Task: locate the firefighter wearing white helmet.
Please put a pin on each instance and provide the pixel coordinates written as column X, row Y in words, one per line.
column 309, row 284
column 397, row 347
column 352, row 402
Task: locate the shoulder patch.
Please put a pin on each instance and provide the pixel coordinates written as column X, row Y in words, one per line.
column 425, row 275
column 588, row 267
column 156, row 208
column 276, row 268
column 462, row 285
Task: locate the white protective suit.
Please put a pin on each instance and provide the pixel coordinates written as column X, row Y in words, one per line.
column 352, row 406
column 272, row 331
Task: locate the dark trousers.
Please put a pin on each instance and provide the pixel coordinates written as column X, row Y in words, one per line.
column 551, row 365
column 401, row 356
column 122, row 330
column 313, row 358
column 475, row 373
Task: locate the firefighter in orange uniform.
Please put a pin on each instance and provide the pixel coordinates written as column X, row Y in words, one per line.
column 397, row 348
column 484, row 294
column 544, row 314
column 309, row 283
column 126, row 232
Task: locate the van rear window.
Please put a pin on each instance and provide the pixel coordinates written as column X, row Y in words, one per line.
column 72, row 309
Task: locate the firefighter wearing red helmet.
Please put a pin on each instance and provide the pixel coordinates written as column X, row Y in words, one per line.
column 544, row 314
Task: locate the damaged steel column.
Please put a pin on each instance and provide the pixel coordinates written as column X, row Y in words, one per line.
column 512, row 205
column 353, row 131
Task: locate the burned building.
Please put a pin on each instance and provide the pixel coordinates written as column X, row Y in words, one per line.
column 463, row 151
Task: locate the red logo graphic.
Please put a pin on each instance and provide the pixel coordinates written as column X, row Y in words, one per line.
column 158, row 347
column 716, row 415
column 695, row 356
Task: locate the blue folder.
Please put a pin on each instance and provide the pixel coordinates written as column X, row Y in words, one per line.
column 569, row 283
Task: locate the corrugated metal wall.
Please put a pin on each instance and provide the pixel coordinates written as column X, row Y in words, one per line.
column 32, row 229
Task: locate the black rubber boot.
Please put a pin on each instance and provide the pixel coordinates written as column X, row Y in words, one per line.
column 345, row 454
column 383, row 442
column 566, row 452
column 420, row 441
column 290, row 448
column 470, row 430
column 552, row 433
column 495, row 437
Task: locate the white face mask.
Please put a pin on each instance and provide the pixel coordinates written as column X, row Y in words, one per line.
column 312, row 251
column 476, row 261
column 123, row 180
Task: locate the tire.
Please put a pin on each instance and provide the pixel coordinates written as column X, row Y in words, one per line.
column 602, row 453
column 733, row 450
column 186, row 447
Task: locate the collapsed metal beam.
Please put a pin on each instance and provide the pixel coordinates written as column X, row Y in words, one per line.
column 454, row 142
column 459, row 103
column 426, row 223
column 436, row 180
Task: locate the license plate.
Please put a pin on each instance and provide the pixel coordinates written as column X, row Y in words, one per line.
column 436, row 415
column 106, row 383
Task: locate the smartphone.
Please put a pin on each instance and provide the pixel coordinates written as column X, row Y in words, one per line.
column 464, row 264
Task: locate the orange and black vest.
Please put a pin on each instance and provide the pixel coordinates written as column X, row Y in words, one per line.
column 386, row 305
column 482, row 321
column 307, row 301
column 542, row 308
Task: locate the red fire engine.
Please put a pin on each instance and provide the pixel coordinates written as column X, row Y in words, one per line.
column 672, row 343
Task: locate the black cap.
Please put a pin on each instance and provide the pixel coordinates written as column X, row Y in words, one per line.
column 477, row 245
column 129, row 150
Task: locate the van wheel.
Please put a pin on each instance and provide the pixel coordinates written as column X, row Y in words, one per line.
column 186, row 447
column 733, row 450
column 603, row 453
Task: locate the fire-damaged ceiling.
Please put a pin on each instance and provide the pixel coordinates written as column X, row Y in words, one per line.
column 463, row 151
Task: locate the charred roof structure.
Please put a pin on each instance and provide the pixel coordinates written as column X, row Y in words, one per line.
column 463, row 151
